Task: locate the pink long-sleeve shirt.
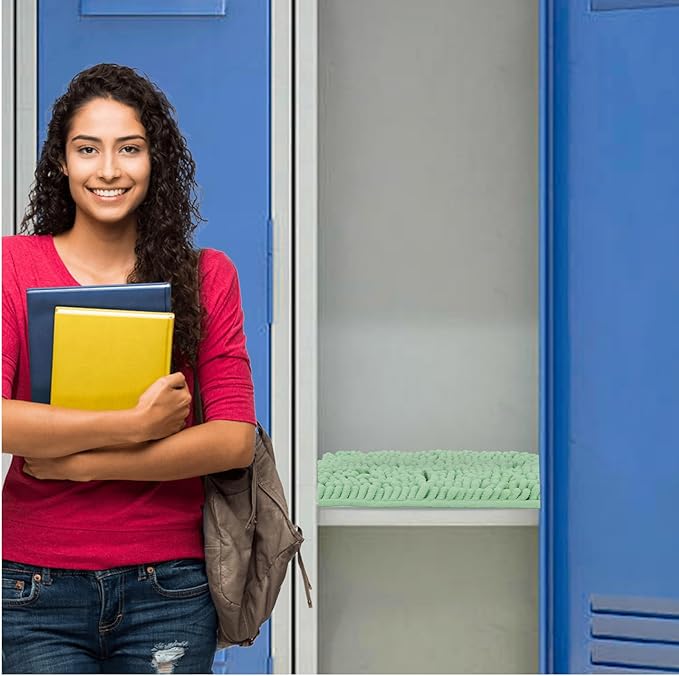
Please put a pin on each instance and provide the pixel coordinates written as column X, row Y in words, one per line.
column 103, row 524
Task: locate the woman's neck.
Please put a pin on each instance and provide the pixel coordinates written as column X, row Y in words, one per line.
column 98, row 255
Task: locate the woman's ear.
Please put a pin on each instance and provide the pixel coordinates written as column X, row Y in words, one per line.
column 63, row 167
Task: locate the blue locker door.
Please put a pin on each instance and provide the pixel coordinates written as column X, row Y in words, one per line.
column 211, row 57
column 612, row 359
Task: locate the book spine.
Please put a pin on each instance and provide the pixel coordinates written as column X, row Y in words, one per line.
column 170, row 335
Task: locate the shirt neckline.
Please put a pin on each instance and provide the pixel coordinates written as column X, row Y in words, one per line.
column 60, row 262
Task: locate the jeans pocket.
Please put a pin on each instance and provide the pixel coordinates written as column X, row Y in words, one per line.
column 20, row 586
column 179, row 579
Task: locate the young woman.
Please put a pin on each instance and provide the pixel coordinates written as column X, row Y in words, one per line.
column 103, row 567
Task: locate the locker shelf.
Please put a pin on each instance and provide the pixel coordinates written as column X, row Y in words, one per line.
column 347, row 516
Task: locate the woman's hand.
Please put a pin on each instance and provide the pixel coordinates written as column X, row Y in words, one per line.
column 68, row 467
column 91, row 465
column 164, row 407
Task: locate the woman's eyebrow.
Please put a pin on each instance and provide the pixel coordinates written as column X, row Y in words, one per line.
column 84, row 137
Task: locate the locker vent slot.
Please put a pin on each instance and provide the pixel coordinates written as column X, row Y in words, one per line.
column 602, row 5
column 152, row 7
column 634, row 635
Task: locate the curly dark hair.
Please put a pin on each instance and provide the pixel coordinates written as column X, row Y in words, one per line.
column 169, row 214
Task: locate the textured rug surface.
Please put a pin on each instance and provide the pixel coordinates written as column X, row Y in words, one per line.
column 439, row 478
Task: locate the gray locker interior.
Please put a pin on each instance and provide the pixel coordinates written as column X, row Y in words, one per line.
column 428, row 316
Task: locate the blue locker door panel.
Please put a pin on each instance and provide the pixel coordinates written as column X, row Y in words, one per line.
column 214, row 67
column 613, row 367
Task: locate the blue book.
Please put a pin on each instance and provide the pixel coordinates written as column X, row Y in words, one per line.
column 151, row 297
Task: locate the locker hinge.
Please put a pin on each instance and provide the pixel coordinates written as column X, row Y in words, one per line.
column 269, row 271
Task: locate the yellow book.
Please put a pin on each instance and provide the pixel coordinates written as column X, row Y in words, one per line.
column 105, row 359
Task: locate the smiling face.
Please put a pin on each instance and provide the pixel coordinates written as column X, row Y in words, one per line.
column 107, row 162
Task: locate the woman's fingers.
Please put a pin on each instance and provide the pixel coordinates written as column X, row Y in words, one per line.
column 176, row 380
column 165, row 406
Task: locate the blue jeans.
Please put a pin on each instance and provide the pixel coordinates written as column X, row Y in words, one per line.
column 151, row 618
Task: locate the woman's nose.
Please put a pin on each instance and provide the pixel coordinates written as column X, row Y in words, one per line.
column 108, row 171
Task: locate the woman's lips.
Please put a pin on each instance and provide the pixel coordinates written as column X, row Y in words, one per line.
column 109, row 195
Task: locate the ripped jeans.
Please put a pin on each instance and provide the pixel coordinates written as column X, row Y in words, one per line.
column 155, row 618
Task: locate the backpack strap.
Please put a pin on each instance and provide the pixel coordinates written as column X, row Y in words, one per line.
column 305, row 577
column 198, row 420
column 253, row 497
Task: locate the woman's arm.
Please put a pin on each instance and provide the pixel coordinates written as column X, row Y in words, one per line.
column 45, row 431
column 214, row 446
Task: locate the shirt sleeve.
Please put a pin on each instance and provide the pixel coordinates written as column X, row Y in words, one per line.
column 224, row 370
column 10, row 325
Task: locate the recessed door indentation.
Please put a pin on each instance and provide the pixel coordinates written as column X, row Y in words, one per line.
column 602, row 5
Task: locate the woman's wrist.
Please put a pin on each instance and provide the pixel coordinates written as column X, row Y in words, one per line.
column 130, row 425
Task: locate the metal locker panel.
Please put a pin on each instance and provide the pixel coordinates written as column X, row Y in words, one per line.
column 214, row 67
column 611, row 358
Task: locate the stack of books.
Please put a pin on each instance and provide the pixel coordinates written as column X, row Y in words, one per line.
column 98, row 347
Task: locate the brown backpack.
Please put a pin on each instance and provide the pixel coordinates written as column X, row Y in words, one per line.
column 249, row 541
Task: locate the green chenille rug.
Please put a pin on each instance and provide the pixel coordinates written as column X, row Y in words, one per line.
column 500, row 479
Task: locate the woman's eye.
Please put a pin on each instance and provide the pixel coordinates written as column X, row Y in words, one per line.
column 86, row 150
column 130, row 150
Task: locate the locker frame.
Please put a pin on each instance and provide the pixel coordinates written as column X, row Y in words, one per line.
column 282, row 97
column 10, row 124
column 305, row 303
column 545, row 340
column 8, row 82
column 306, row 350
column 25, row 108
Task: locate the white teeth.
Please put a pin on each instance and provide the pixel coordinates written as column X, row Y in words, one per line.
column 109, row 193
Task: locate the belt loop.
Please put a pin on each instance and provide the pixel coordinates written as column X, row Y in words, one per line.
column 47, row 576
column 141, row 572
